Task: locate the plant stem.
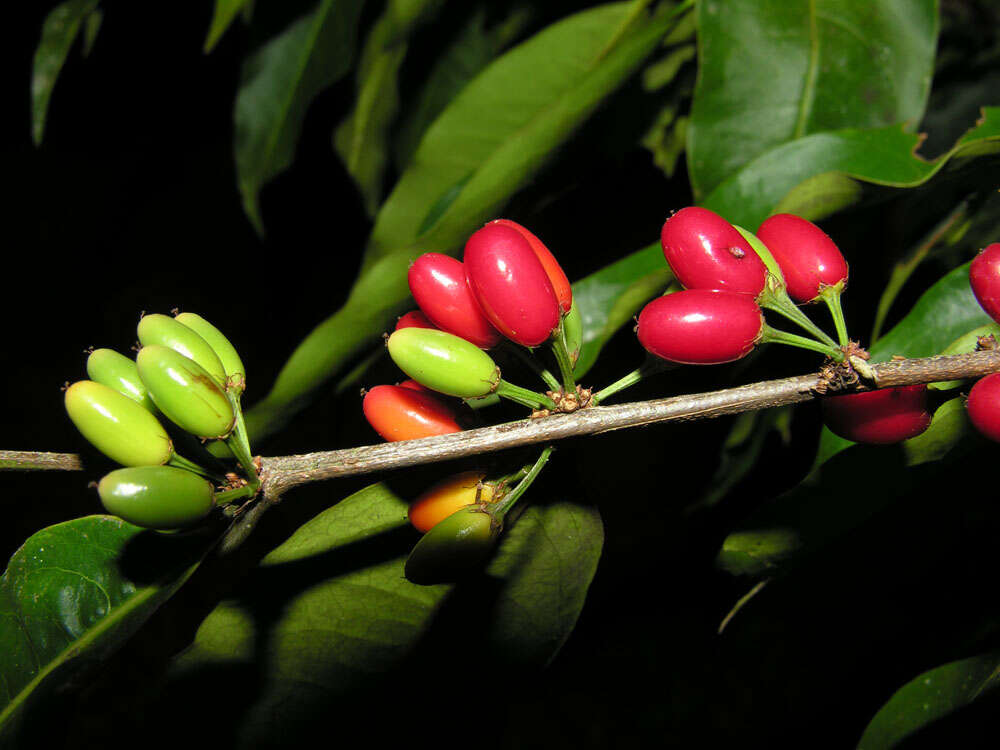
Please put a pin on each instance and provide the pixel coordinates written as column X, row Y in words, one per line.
column 651, row 366
column 228, row 496
column 180, row 462
column 774, row 336
column 239, row 443
column 831, row 295
column 531, row 362
column 523, row 396
column 558, row 344
column 501, row 508
column 781, row 303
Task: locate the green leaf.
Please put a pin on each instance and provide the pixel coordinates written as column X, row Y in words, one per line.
column 223, row 17
column 929, row 697
column 884, row 156
column 59, row 31
column 279, row 82
column 772, row 72
column 91, row 27
column 329, row 611
column 362, row 138
column 71, row 595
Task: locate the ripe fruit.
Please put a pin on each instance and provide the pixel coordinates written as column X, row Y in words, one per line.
column 448, row 496
column 117, row 426
column 890, row 415
column 511, row 285
column 157, row 497
column 707, row 252
column 809, row 259
column 438, row 284
column 236, row 373
column 984, row 276
column 984, row 406
column 162, row 330
column 557, row 277
column 414, row 319
column 398, row 413
column 108, row 367
column 444, row 363
column 186, row 394
column 454, row 548
column 700, row 326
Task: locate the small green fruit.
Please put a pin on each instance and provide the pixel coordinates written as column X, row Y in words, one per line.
column 117, row 426
column 444, row 363
column 157, row 497
column 182, row 389
column 231, row 362
column 454, row 548
column 108, row 367
column 162, row 330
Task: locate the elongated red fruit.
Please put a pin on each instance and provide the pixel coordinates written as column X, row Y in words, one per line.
column 511, row 285
column 984, row 406
column 438, row 284
column 984, row 277
column 414, row 319
column 889, row 415
column 398, row 413
column 706, row 252
column 700, row 326
column 809, row 259
column 557, row 277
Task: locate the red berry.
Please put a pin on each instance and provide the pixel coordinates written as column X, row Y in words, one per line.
column 414, row 319
column 700, row 326
column 984, row 276
column 809, row 259
column 706, row 252
column 439, row 286
column 399, row 413
column 557, row 277
column 984, row 406
column 511, row 285
column 885, row 416
column 413, row 385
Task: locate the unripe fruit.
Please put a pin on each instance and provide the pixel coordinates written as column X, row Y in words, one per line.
column 117, row 426
column 448, row 496
column 511, row 285
column 700, row 327
column 116, row 371
column 162, row 330
column 809, row 259
column 186, row 394
column 707, row 252
column 557, row 277
column 889, row 415
column 453, row 549
column 984, row 406
column 414, row 319
column 398, row 413
column 984, row 276
column 157, row 497
column 444, row 363
column 573, row 332
column 232, row 365
column 438, row 284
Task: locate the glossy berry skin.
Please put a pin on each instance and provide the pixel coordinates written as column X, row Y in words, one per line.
column 236, row 373
column 414, row 319
column 984, row 277
column 511, row 285
column 700, row 326
column 809, row 259
column 162, row 330
column 557, row 277
column 448, row 496
column 108, row 367
column 186, row 394
column 881, row 417
column 707, row 252
column 443, row 362
column 984, row 406
column 438, row 284
column 398, row 413
column 157, row 497
column 453, row 549
column 117, row 426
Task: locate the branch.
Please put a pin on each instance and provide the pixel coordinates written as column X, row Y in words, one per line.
column 36, row 461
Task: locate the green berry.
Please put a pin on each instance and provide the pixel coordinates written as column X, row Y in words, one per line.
column 444, row 362
column 157, row 497
column 108, row 367
column 162, row 330
column 231, row 362
column 117, row 426
column 182, row 389
column 452, row 549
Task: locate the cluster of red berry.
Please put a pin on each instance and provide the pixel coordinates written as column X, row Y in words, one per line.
column 984, row 398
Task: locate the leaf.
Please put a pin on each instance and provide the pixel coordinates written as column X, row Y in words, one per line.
column 59, row 31
column 328, row 615
column 223, row 17
column 279, row 82
column 884, row 156
column 773, row 72
column 91, row 27
column 362, row 138
column 71, row 595
column 930, row 697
